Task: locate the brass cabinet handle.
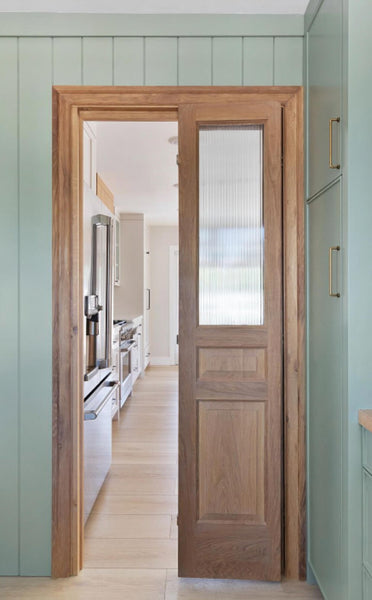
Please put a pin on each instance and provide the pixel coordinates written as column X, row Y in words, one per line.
column 331, row 121
column 332, row 249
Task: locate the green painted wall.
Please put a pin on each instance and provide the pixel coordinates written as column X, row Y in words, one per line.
column 36, row 52
column 359, row 272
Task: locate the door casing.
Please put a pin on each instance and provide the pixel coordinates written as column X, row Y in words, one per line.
column 71, row 106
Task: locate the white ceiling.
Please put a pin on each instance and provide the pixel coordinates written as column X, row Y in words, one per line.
column 138, row 164
column 158, row 6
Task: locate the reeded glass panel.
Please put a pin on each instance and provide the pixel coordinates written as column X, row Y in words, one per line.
column 231, row 231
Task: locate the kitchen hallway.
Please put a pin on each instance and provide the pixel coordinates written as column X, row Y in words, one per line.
column 131, row 534
column 132, row 524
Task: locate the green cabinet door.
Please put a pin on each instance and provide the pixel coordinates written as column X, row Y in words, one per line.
column 367, row 585
column 324, row 83
column 324, row 394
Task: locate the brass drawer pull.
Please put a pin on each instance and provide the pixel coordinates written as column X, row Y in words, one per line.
column 331, row 121
column 332, row 249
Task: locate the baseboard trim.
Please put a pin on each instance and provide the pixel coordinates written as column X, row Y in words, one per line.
column 160, row 361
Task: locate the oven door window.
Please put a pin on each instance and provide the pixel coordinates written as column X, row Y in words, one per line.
column 124, row 364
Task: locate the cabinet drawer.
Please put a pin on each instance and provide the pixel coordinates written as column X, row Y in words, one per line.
column 324, row 94
column 367, row 585
column 367, row 449
column 367, row 520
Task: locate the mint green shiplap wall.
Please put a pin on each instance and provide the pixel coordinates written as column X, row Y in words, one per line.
column 29, row 66
column 9, row 312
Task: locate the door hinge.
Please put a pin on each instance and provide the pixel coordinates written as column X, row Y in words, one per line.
column 177, row 338
column 177, row 521
column 178, row 160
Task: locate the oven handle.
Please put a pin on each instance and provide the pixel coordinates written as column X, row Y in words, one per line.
column 127, row 348
column 91, row 415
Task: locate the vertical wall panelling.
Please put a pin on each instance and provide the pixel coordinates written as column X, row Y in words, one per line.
column 35, row 119
column 97, row 61
column 195, row 61
column 25, row 229
column 67, row 63
column 9, row 397
column 288, row 58
column 258, row 61
column 161, row 61
column 129, row 61
column 227, row 61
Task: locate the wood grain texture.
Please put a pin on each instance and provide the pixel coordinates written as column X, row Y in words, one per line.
column 213, row 434
column 365, row 419
column 230, row 337
column 231, row 461
column 235, row 364
column 68, row 101
column 104, row 192
column 294, row 340
column 67, row 346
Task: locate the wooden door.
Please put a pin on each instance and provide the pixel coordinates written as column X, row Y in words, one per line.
column 230, row 456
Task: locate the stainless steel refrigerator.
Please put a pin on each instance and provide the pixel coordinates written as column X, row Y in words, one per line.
column 99, row 385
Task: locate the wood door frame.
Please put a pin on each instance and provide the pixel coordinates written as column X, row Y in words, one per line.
column 71, row 106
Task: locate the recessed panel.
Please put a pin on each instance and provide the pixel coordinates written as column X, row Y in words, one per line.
column 232, row 364
column 231, row 461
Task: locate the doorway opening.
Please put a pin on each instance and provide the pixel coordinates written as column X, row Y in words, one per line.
column 130, row 176
column 202, row 360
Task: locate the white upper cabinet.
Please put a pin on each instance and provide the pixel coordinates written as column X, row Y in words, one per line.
column 324, row 101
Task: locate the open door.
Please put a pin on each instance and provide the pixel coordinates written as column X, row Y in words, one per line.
column 230, row 456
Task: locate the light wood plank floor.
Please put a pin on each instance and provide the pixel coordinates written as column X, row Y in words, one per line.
column 131, row 535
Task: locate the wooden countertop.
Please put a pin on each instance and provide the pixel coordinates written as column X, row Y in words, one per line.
column 365, row 419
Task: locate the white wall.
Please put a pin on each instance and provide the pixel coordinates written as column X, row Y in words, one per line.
column 161, row 237
column 128, row 297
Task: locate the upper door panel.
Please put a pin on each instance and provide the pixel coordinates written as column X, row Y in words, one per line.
column 324, row 96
